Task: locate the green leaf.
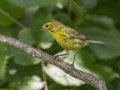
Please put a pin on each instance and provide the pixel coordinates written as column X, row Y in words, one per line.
column 104, row 8
column 16, row 73
column 33, row 3
column 63, row 17
column 61, row 77
column 102, row 51
column 31, row 83
column 86, row 61
column 104, row 20
column 79, row 13
column 3, row 65
column 14, row 11
column 88, row 4
column 26, row 37
column 99, row 21
column 12, row 51
column 3, row 61
column 5, row 31
column 114, row 84
column 25, row 60
column 40, row 17
column 46, row 40
column 6, row 89
column 87, row 87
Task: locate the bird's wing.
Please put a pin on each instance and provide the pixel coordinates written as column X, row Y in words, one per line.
column 74, row 34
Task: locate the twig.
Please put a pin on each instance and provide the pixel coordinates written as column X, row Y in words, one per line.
column 43, row 73
column 44, row 76
column 79, row 6
column 66, row 67
column 69, row 8
column 11, row 18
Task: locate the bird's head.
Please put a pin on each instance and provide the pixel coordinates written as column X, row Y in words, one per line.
column 51, row 26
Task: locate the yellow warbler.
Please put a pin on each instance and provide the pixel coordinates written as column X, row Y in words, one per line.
column 66, row 37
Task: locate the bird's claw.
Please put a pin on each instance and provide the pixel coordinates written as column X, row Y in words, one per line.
column 72, row 65
column 56, row 57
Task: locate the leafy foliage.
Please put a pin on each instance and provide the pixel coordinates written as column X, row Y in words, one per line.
column 96, row 19
column 13, row 10
column 34, row 3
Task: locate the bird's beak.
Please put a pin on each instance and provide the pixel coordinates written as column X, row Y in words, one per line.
column 40, row 29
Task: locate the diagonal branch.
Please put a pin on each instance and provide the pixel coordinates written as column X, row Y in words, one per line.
column 66, row 67
column 11, row 18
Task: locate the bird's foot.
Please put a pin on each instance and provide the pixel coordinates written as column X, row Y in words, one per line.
column 56, row 59
column 56, row 56
column 72, row 65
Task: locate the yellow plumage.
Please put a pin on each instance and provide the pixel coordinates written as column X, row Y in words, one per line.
column 67, row 37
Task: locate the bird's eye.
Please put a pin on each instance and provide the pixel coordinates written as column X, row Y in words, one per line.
column 46, row 25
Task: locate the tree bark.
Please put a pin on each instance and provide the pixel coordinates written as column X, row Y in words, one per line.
column 66, row 67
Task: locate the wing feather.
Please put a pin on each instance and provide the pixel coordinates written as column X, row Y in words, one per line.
column 74, row 34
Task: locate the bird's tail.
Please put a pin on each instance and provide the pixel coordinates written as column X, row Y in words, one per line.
column 93, row 41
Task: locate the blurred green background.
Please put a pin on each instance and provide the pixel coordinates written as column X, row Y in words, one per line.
column 97, row 19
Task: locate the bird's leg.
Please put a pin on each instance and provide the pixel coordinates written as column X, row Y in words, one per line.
column 60, row 55
column 67, row 52
column 73, row 59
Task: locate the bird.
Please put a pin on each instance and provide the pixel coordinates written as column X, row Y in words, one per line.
column 68, row 38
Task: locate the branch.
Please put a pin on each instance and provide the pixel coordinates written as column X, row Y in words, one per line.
column 11, row 18
column 80, row 6
column 66, row 67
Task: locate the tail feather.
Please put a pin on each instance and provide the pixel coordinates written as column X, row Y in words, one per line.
column 93, row 41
